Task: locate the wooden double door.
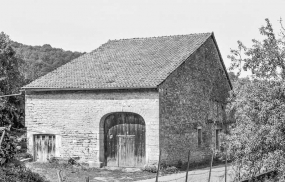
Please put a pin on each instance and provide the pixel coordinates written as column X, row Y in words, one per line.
column 124, row 140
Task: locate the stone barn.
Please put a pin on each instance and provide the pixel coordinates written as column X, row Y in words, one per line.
column 126, row 100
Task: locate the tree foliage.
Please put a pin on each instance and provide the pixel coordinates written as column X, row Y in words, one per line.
column 10, row 77
column 257, row 139
column 265, row 59
column 8, row 149
column 10, row 82
column 19, row 65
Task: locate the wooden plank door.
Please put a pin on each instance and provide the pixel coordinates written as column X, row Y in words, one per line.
column 124, row 124
column 126, row 150
column 44, row 147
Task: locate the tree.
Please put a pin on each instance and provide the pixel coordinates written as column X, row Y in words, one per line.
column 265, row 59
column 19, row 65
column 10, row 82
column 39, row 60
column 257, row 139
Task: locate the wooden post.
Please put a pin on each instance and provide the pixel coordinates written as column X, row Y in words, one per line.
column 188, row 166
column 158, row 166
column 239, row 172
column 2, row 137
column 211, row 166
column 87, row 179
column 226, row 163
column 3, row 134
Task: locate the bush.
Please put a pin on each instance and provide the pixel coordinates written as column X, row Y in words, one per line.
column 8, row 149
column 18, row 174
column 71, row 161
column 150, row 168
column 170, row 170
column 53, row 160
column 179, row 164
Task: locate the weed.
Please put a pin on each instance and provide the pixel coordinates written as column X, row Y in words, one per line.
column 11, row 173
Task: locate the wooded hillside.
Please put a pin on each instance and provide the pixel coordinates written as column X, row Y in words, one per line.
column 39, row 60
column 19, row 65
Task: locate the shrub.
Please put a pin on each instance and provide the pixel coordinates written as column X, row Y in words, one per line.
column 170, row 170
column 150, row 168
column 53, row 160
column 8, row 149
column 18, row 174
column 71, row 161
column 179, row 164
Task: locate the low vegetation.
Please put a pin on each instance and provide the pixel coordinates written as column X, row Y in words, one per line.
column 12, row 173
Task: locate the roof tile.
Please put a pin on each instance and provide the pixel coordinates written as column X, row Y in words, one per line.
column 125, row 63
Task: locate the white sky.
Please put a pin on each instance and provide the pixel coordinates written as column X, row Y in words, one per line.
column 83, row 25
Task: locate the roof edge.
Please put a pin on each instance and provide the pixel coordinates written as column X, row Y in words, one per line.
column 219, row 53
column 85, row 89
column 222, row 61
column 162, row 36
column 186, row 57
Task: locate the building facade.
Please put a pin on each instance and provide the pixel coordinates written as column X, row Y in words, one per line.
column 123, row 102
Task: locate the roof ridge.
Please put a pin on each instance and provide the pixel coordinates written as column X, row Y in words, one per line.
column 155, row 37
column 144, row 38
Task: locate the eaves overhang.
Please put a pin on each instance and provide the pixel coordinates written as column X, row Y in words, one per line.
column 46, row 89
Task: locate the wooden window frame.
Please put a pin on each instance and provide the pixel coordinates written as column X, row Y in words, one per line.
column 40, row 135
column 199, row 136
column 217, row 139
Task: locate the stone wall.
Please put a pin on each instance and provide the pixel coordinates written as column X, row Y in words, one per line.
column 76, row 118
column 193, row 96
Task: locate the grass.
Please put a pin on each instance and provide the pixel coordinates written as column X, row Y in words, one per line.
column 72, row 173
column 19, row 173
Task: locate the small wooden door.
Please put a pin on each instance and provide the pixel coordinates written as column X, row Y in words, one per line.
column 126, row 150
column 44, row 147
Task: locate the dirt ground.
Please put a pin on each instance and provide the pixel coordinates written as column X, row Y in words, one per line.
column 78, row 174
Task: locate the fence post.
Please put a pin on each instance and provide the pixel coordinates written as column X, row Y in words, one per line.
column 226, row 163
column 2, row 137
column 158, row 166
column 211, row 166
column 188, row 166
column 239, row 171
column 87, row 179
column 3, row 134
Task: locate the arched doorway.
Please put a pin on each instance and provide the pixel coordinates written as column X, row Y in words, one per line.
column 124, row 140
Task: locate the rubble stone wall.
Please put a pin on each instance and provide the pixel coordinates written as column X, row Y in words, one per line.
column 75, row 119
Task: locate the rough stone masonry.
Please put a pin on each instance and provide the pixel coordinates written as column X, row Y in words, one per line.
column 189, row 101
column 74, row 118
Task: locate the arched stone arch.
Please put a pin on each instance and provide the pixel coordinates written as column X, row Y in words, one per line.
column 103, row 113
column 107, row 112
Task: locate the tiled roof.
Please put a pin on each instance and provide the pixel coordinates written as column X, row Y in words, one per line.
column 126, row 63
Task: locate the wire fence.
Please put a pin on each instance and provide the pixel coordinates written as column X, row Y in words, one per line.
column 216, row 176
column 219, row 174
column 210, row 175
